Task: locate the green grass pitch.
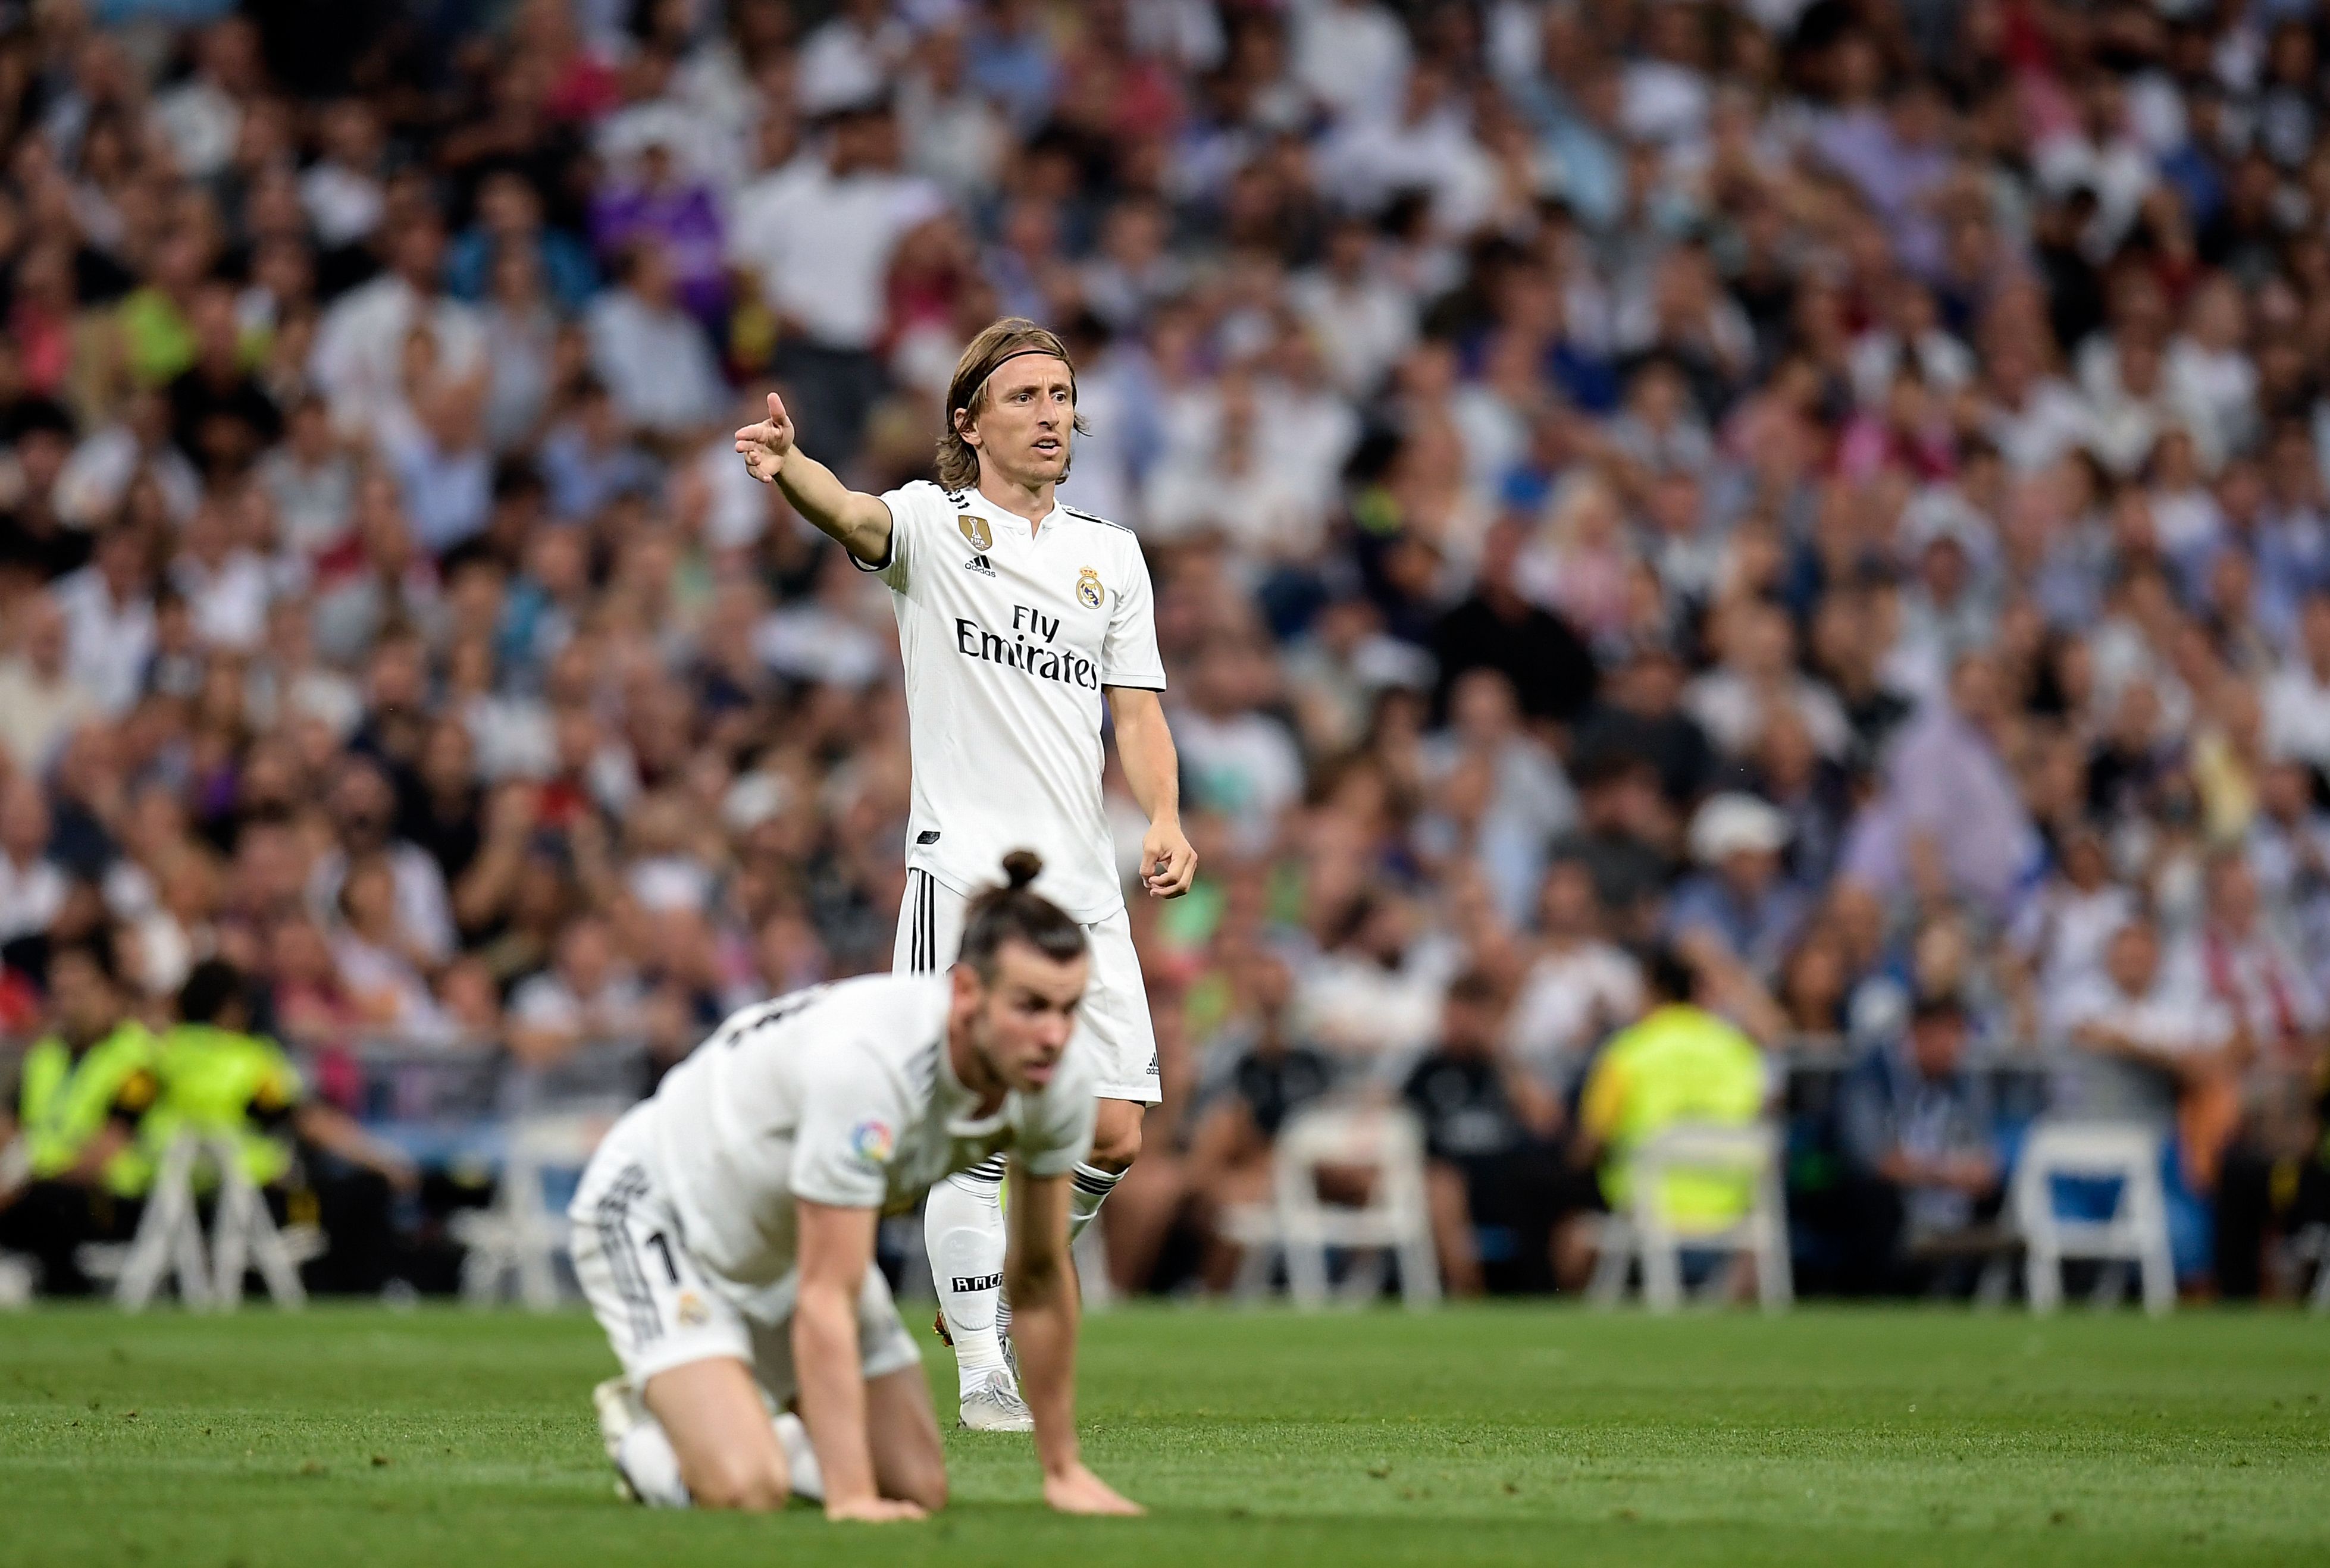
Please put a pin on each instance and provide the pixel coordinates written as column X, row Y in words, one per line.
column 1496, row 1435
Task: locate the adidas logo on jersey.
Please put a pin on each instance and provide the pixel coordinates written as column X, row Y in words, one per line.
column 980, row 564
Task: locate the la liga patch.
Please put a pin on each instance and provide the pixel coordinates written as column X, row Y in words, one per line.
column 872, row 1142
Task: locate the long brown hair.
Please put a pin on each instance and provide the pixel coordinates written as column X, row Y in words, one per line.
column 1008, row 338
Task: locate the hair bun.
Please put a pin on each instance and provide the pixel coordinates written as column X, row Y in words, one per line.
column 1021, row 867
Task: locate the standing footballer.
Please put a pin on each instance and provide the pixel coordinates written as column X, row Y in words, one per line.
column 1015, row 617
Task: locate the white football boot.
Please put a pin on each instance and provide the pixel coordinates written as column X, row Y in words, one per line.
column 993, row 1404
column 620, row 1409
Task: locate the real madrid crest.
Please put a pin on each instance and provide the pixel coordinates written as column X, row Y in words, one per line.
column 1088, row 589
column 691, row 1311
column 975, row 529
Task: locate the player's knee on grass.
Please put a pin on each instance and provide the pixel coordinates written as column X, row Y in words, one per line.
column 745, row 1482
column 919, row 1478
column 719, row 1431
column 1116, row 1136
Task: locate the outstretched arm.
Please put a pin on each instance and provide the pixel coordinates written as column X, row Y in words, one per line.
column 1145, row 744
column 335, row 1131
column 858, row 522
column 1042, row 1285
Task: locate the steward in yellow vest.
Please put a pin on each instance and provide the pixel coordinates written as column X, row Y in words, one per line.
column 81, row 1093
column 1681, row 1063
column 223, row 1082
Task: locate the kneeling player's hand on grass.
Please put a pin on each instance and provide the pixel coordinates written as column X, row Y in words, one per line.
column 763, row 446
column 873, row 1511
column 1079, row 1491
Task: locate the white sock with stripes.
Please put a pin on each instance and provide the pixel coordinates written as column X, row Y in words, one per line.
column 1088, row 1188
column 962, row 1230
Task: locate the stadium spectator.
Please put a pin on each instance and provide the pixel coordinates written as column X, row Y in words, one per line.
column 1680, row 1062
column 1577, row 987
column 1489, row 1131
column 217, row 1079
column 39, row 695
column 1920, row 1135
column 1262, row 1074
column 82, row 1089
column 2154, row 1046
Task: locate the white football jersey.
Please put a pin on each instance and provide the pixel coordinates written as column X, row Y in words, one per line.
column 841, row 1094
column 1009, row 634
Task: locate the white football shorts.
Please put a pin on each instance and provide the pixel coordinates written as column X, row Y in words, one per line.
column 1116, row 998
column 659, row 1306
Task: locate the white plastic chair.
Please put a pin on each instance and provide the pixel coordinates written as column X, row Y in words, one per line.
column 16, row 1273
column 1396, row 1222
column 520, row 1238
column 2311, row 1245
column 2137, row 1232
column 169, row 1244
column 1646, row 1233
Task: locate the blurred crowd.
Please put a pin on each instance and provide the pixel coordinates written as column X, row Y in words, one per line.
column 1831, row 490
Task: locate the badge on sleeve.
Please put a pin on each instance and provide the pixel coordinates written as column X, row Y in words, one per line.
column 871, row 1141
column 1088, row 589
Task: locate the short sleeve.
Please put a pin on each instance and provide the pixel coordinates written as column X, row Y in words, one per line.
column 915, row 510
column 850, row 1122
column 1129, row 656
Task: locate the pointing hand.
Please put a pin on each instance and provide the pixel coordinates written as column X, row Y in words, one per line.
column 765, row 446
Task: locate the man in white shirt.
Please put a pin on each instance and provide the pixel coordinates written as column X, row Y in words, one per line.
column 2059, row 933
column 359, row 355
column 109, row 609
column 651, row 353
column 1425, row 144
column 1016, row 618
column 40, row 702
column 32, row 886
column 2298, row 694
column 1364, row 321
column 1577, row 990
column 852, row 57
column 1351, row 55
column 2144, row 1030
column 723, row 1231
column 814, row 240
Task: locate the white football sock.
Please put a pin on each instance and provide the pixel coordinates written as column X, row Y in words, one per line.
column 962, row 1229
column 1088, row 1188
column 647, row 1460
column 800, row 1457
